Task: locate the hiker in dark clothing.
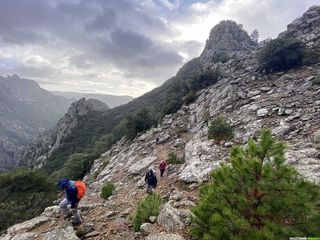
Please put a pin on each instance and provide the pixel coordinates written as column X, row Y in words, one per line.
column 162, row 166
column 151, row 180
column 70, row 198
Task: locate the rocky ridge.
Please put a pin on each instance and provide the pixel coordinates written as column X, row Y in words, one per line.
column 306, row 28
column 286, row 102
column 42, row 147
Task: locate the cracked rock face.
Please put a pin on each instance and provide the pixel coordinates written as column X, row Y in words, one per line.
column 306, row 28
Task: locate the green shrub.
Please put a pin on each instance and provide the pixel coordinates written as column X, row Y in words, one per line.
column 81, row 232
column 190, row 97
column 183, row 130
column 220, row 129
column 138, row 121
column 174, row 99
column 107, row 190
column 220, row 56
column 174, row 159
column 24, row 194
column 310, row 57
column 206, row 116
column 257, row 196
column 77, row 165
column 204, row 79
column 148, row 207
column 316, row 80
column 280, row 55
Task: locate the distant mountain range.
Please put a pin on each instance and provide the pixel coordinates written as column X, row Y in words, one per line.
column 111, row 100
column 25, row 111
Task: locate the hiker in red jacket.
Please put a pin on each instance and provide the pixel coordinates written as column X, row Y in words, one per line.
column 162, row 166
column 73, row 195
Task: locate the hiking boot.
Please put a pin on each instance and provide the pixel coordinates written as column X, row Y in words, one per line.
column 76, row 224
column 68, row 216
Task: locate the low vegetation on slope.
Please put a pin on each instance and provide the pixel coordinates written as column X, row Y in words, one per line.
column 257, row 197
column 150, row 206
column 23, row 195
column 285, row 54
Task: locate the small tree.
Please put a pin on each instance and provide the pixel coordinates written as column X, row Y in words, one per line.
column 257, row 197
column 206, row 116
column 204, row 78
column 190, row 97
column 220, row 129
column 148, row 207
column 255, row 36
column 107, row 190
column 174, row 159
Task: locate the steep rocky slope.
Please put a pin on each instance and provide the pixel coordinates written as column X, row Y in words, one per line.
column 286, row 102
column 25, row 111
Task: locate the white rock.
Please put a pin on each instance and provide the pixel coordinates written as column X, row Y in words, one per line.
column 61, row 234
column 262, row 112
column 169, row 218
column 164, row 236
column 141, row 165
column 28, row 225
column 146, row 228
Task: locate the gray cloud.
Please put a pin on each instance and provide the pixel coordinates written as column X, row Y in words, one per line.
column 103, row 22
column 20, row 37
column 112, row 45
column 81, row 61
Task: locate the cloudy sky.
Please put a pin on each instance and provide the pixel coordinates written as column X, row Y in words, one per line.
column 121, row 47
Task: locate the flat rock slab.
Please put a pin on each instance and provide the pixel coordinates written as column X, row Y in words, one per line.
column 163, row 236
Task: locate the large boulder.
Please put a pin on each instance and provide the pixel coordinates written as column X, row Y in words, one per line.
column 201, row 157
column 28, row 225
column 61, row 234
column 169, row 218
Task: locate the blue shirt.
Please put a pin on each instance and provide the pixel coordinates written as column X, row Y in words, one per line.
column 71, row 194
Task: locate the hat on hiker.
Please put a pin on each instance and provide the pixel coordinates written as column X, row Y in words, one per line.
column 63, row 183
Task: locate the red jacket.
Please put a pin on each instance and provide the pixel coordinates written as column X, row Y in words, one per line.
column 163, row 165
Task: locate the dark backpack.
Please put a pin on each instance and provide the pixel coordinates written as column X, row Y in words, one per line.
column 151, row 178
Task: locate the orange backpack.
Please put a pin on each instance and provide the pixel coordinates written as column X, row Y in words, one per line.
column 81, row 189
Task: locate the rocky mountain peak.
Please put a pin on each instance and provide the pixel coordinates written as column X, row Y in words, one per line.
column 42, row 147
column 228, row 36
column 306, row 28
column 83, row 106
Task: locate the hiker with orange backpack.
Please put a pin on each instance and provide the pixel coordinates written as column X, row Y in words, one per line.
column 74, row 191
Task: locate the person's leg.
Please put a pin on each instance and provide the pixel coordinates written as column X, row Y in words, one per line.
column 149, row 188
column 64, row 207
column 76, row 215
column 161, row 172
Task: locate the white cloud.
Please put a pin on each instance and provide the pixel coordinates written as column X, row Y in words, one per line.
column 171, row 5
